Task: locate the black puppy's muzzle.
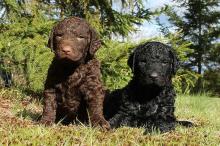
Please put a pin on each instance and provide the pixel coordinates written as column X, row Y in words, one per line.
column 154, row 75
column 153, row 78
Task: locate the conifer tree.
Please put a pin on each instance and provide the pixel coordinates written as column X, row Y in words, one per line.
column 200, row 24
column 102, row 15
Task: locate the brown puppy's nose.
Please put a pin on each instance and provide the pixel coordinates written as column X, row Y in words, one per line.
column 154, row 75
column 66, row 49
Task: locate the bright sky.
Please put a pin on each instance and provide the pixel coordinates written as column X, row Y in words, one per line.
column 150, row 29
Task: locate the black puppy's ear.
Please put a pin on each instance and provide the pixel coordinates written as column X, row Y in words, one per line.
column 50, row 40
column 131, row 61
column 95, row 43
column 175, row 63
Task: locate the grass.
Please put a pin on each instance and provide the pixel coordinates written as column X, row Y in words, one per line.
column 18, row 126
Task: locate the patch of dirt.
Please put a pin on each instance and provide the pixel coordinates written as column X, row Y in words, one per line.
column 5, row 108
column 7, row 116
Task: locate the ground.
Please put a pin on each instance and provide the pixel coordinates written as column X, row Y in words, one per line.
column 18, row 126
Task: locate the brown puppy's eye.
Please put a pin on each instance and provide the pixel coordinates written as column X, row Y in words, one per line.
column 59, row 37
column 80, row 38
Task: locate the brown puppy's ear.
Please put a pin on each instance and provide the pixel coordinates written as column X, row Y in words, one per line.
column 95, row 43
column 50, row 41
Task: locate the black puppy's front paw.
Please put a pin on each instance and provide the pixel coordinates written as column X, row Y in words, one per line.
column 166, row 127
column 160, row 126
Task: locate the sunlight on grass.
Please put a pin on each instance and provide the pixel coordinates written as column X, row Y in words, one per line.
column 21, row 127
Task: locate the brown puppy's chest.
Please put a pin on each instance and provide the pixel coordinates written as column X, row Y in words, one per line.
column 69, row 89
column 65, row 95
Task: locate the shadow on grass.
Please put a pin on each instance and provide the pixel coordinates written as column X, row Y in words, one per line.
column 38, row 95
column 28, row 114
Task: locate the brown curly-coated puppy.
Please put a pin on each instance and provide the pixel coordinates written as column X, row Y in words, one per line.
column 73, row 88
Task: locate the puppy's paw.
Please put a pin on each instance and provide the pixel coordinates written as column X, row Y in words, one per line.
column 46, row 122
column 105, row 125
column 102, row 123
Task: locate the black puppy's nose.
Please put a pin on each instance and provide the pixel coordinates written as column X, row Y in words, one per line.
column 154, row 75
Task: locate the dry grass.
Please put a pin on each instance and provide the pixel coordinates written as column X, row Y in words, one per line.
column 18, row 126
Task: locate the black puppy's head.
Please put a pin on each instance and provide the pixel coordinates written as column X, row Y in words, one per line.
column 73, row 39
column 153, row 63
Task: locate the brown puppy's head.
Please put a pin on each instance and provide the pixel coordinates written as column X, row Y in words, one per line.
column 73, row 39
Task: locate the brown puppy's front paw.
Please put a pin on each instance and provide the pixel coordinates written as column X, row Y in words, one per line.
column 102, row 123
column 46, row 122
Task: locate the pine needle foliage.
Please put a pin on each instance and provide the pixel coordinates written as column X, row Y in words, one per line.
column 199, row 22
column 24, row 33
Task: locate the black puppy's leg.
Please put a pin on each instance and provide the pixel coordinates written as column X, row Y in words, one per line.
column 166, row 120
column 160, row 125
column 165, row 126
column 117, row 120
column 122, row 118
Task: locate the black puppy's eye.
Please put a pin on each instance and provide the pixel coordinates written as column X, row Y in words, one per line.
column 142, row 63
column 164, row 63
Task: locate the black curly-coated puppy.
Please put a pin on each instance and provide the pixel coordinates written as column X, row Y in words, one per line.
column 148, row 100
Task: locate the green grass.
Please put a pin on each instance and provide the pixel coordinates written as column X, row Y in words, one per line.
column 18, row 114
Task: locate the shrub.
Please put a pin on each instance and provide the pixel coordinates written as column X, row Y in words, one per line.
column 211, row 81
column 115, row 71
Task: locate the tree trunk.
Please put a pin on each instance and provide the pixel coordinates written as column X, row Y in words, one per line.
column 200, row 52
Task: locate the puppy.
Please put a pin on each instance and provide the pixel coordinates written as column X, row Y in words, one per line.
column 148, row 99
column 73, row 88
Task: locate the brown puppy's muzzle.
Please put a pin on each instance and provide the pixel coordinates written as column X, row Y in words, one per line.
column 69, row 50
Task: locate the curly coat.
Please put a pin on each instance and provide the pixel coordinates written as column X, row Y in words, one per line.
column 73, row 83
column 148, row 99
